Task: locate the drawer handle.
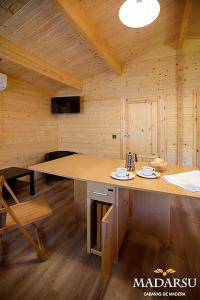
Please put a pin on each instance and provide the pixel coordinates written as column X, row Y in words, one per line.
column 102, row 194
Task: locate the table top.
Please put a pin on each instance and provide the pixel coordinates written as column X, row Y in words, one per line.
column 98, row 169
column 14, row 172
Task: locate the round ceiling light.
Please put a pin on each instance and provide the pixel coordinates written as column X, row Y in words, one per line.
column 139, row 13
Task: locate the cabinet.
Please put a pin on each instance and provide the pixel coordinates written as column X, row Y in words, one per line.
column 107, row 216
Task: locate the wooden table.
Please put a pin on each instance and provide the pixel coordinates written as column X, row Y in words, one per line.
column 149, row 210
column 13, row 173
column 97, row 169
column 147, row 193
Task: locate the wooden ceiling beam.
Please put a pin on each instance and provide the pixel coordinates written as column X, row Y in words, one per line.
column 24, row 57
column 184, row 23
column 72, row 11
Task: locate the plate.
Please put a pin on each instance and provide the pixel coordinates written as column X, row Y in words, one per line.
column 154, row 175
column 129, row 176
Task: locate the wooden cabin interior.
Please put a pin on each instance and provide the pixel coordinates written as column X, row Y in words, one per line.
column 102, row 231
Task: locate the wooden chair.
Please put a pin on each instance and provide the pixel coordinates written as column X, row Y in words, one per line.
column 24, row 213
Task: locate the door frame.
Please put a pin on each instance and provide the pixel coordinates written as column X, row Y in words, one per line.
column 162, row 117
column 196, row 103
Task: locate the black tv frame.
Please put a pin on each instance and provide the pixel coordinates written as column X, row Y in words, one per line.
column 72, row 108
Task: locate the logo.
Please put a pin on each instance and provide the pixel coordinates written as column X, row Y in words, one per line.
column 169, row 271
column 165, row 285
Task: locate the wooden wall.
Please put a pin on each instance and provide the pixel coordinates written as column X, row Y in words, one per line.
column 91, row 131
column 27, row 129
column 152, row 75
column 191, row 83
column 146, row 76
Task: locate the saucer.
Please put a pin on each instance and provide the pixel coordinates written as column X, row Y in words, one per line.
column 128, row 176
column 154, row 175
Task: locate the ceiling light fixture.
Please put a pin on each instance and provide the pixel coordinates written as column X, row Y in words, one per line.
column 139, row 13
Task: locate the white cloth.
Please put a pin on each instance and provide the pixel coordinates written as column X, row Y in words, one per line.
column 188, row 180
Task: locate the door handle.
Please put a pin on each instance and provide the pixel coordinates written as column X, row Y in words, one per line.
column 126, row 135
column 101, row 194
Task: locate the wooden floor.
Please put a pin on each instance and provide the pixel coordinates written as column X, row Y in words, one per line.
column 70, row 273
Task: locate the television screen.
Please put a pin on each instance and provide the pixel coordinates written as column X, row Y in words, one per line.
column 65, row 105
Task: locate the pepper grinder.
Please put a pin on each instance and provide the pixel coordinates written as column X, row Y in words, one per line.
column 130, row 161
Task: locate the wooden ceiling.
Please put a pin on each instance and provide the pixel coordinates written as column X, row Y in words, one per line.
column 128, row 42
column 42, row 28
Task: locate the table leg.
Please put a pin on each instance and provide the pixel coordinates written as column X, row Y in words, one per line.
column 12, row 184
column 32, row 184
column 80, row 200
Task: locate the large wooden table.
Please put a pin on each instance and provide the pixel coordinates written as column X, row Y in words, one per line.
column 150, row 198
column 94, row 168
column 142, row 205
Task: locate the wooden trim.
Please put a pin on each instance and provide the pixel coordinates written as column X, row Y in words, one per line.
column 196, row 127
column 24, row 57
column 123, row 128
column 72, row 11
column 179, row 75
column 163, row 127
column 143, row 100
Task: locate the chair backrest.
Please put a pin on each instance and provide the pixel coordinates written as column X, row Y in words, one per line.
column 4, row 206
column 57, row 154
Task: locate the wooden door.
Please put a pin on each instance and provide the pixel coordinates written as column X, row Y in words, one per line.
column 108, row 244
column 143, row 128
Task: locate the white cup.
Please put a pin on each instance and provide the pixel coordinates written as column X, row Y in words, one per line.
column 148, row 171
column 121, row 172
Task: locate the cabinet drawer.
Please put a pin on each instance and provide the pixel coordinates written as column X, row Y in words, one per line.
column 101, row 192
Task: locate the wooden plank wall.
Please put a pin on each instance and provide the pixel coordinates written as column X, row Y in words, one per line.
column 198, row 128
column 152, row 75
column 27, row 129
column 191, row 64
column 146, row 76
column 90, row 132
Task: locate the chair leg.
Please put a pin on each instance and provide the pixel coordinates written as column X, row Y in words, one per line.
column 40, row 252
column 38, row 237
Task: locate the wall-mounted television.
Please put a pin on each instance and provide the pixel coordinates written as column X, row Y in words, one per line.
column 65, row 105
